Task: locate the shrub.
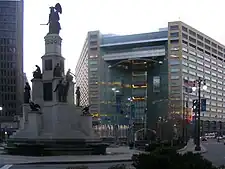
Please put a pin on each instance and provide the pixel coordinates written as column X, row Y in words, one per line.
column 168, row 158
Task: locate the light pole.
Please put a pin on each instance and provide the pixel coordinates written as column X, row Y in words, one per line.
column 116, row 126
column 131, row 132
column 198, row 82
column 1, row 108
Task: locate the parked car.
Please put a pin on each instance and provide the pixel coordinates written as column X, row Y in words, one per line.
column 204, row 139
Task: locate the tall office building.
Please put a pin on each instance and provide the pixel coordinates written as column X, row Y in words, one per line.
column 145, row 78
column 11, row 58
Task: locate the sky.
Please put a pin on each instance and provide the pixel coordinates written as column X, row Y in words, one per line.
column 113, row 16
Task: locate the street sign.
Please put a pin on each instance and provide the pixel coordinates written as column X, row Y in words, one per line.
column 203, row 104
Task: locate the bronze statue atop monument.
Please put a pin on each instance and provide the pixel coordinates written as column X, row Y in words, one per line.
column 37, row 73
column 53, row 22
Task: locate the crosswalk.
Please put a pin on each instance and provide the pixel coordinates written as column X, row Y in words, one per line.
column 6, row 166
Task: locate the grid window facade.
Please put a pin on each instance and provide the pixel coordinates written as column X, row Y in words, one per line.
column 11, row 59
column 205, row 59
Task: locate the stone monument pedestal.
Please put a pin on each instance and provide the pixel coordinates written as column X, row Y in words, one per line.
column 67, row 133
column 53, row 127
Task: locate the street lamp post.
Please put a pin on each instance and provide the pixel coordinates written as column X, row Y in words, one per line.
column 197, row 121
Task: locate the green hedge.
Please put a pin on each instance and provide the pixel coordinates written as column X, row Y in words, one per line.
column 167, row 158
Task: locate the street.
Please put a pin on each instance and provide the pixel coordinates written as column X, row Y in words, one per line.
column 215, row 152
column 63, row 166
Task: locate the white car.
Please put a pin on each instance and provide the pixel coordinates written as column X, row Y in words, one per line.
column 219, row 138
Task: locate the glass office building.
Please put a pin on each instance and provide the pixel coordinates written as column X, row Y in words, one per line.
column 143, row 78
column 11, row 58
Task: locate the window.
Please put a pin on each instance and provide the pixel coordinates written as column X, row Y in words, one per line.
column 93, row 62
column 156, row 84
column 47, row 89
column 207, row 59
column 185, row 49
column 213, row 86
column 174, row 62
column 192, row 33
column 219, row 99
column 93, row 56
column 192, row 59
column 185, row 36
column 192, row 39
column 200, row 69
column 93, row 69
column 48, row 64
column 184, row 29
column 199, row 37
column 174, row 27
column 213, row 68
column 220, row 65
column 185, row 70
column 185, row 56
column 192, row 66
column 200, row 56
column 214, row 80
column 199, row 62
column 174, row 34
column 208, row 72
column 175, row 49
column 174, row 56
column 214, row 62
column 192, row 73
column 175, row 70
column 207, row 65
column 174, row 77
column 219, row 70
column 184, row 63
column 200, row 75
column 192, row 53
column 207, row 41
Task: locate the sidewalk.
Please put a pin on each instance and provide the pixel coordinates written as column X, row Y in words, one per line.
column 120, row 154
column 190, row 147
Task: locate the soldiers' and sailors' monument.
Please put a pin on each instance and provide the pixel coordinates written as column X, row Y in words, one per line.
column 52, row 123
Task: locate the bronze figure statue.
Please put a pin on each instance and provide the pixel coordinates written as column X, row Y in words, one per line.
column 78, row 96
column 37, row 73
column 69, row 76
column 27, row 93
column 65, row 90
column 34, row 107
column 60, row 91
column 57, row 72
column 53, row 22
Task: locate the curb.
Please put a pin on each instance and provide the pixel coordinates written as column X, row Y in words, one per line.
column 182, row 149
column 73, row 162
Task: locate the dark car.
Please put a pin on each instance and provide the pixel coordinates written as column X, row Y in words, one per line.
column 204, row 139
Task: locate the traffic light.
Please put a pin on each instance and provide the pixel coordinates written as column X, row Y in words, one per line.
column 195, row 105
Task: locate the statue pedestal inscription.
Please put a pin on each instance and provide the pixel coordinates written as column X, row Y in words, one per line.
column 52, row 124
